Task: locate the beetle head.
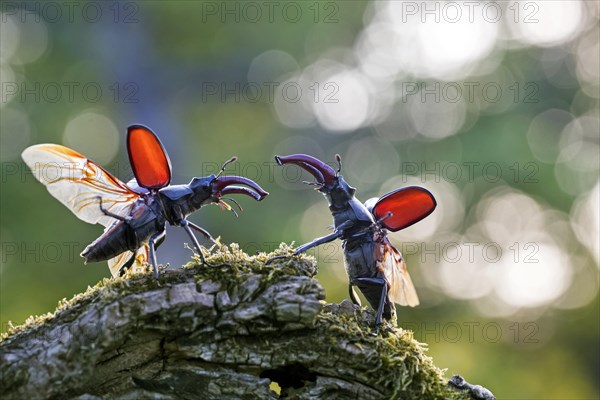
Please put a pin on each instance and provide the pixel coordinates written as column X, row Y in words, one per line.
column 202, row 189
column 214, row 188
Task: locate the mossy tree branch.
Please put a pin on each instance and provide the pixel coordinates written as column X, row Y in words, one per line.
column 227, row 331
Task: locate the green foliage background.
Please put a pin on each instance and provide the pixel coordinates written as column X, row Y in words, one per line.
column 155, row 61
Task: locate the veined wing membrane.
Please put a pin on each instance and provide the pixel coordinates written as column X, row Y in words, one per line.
column 79, row 183
column 139, row 264
column 401, row 289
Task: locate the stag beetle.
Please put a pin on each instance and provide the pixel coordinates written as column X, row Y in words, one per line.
column 134, row 214
column 372, row 263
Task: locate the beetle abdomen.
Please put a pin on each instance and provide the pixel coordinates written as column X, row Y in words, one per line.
column 143, row 221
column 117, row 239
column 361, row 263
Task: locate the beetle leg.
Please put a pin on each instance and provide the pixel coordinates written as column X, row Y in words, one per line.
column 319, row 241
column 339, row 232
column 158, row 237
column 128, row 264
column 380, row 282
column 110, row 214
column 353, row 295
column 325, row 239
column 202, row 231
column 382, row 300
column 186, row 225
column 309, row 245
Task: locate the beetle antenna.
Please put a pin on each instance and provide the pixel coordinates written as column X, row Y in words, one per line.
column 338, row 158
column 225, row 164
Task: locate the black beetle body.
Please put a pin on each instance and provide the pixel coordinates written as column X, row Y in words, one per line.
column 135, row 214
column 372, row 263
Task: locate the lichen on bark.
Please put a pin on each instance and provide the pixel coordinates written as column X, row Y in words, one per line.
column 238, row 329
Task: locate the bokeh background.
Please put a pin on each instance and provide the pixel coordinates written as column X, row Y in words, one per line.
column 491, row 106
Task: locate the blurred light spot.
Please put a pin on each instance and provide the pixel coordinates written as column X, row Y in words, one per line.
column 448, row 47
column 547, row 23
column 373, row 51
column 584, row 287
column 534, row 270
column 544, row 133
column 15, row 133
column 293, row 103
column 297, row 97
column 585, row 220
column 579, row 160
column 580, row 144
column 463, row 272
column 398, row 126
column 581, row 103
column 492, row 306
column 270, row 66
column 557, row 65
column 382, row 97
column 368, row 161
column 93, row 135
column 498, row 92
column 588, row 63
column 541, row 280
column 503, row 212
column 558, row 225
column 33, row 41
column 346, row 105
column 440, row 45
column 573, row 182
column 436, row 119
column 8, row 83
column 9, row 38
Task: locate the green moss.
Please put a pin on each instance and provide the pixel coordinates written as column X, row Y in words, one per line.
column 402, row 365
column 228, row 265
column 405, row 369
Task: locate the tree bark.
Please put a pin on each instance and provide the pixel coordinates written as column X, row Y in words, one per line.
column 238, row 329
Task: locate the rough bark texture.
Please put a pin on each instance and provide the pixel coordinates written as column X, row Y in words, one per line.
column 219, row 332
